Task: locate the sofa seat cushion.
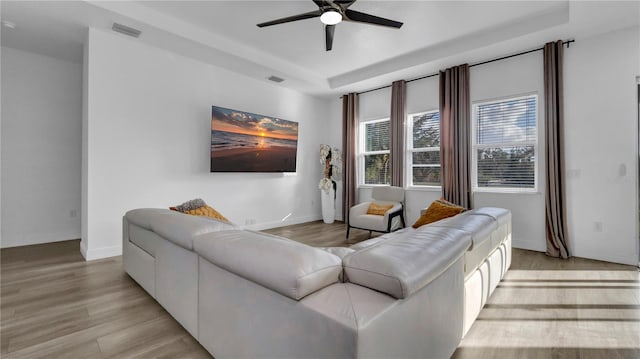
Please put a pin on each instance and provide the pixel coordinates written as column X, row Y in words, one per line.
column 290, row 268
column 371, row 241
column 369, row 222
column 407, row 261
column 174, row 226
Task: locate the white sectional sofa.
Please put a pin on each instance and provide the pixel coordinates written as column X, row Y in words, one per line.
column 411, row 293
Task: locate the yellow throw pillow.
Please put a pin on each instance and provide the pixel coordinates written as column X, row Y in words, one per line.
column 450, row 204
column 207, row 211
column 437, row 211
column 378, row 209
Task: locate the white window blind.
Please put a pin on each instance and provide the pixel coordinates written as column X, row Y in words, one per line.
column 374, row 152
column 423, row 149
column 505, row 144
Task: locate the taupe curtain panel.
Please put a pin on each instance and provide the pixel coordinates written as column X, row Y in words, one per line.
column 349, row 140
column 455, row 115
column 555, row 202
column 398, row 116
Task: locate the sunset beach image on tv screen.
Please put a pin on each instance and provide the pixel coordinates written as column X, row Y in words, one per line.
column 247, row 142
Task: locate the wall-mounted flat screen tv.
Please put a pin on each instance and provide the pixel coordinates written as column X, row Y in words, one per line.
column 248, row 142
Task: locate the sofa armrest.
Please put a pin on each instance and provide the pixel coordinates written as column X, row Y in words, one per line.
column 395, row 211
column 359, row 209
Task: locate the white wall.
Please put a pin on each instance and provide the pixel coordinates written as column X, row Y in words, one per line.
column 601, row 133
column 516, row 76
column 147, row 122
column 41, row 148
column 601, row 145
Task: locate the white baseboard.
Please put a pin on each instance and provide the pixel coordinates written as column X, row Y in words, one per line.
column 288, row 222
column 9, row 242
column 601, row 255
column 529, row 245
column 99, row 253
column 628, row 258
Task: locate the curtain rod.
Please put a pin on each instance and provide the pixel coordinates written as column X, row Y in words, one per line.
column 568, row 43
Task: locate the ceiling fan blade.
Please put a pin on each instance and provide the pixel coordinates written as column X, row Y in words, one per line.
column 344, row 3
column 320, row 3
column 328, row 36
column 357, row 16
column 307, row 15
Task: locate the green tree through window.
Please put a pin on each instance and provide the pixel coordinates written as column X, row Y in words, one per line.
column 375, row 135
column 423, row 160
column 505, row 143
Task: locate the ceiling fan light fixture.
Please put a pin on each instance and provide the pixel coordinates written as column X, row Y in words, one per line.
column 331, row 13
column 331, row 17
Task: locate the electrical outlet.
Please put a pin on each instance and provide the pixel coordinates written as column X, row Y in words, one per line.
column 73, row 213
column 597, row 226
column 249, row 221
column 575, row 173
column 622, row 170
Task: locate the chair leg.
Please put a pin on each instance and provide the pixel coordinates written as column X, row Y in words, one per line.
column 348, row 228
column 369, row 234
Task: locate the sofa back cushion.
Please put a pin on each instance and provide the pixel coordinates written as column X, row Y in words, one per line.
column 478, row 226
column 290, row 268
column 388, row 193
column 174, row 226
column 406, row 262
column 501, row 215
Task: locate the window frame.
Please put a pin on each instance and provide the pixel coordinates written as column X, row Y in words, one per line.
column 362, row 151
column 475, row 146
column 410, row 150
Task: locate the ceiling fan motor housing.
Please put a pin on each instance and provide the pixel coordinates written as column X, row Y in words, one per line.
column 332, row 12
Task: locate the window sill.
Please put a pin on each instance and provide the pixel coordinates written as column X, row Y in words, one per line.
column 505, row 191
column 424, row 188
column 368, row 186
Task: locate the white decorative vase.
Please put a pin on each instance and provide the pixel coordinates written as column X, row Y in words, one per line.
column 328, row 199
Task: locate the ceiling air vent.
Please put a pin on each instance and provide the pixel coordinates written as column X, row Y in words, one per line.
column 129, row 31
column 275, row 79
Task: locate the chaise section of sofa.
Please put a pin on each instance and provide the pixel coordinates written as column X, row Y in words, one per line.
column 271, row 297
column 158, row 254
column 488, row 258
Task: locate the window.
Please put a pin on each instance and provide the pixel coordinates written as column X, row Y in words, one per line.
column 423, row 149
column 374, row 152
column 505, row 144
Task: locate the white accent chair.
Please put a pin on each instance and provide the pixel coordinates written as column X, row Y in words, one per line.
column 392, row 220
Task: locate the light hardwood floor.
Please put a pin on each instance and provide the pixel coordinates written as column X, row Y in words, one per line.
column 56, row 305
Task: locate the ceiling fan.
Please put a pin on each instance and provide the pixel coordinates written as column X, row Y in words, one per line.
column 332, row 12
